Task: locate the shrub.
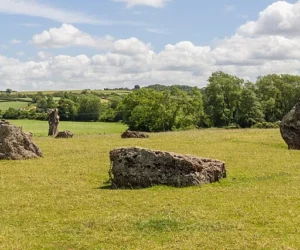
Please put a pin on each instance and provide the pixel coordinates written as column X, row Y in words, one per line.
column 266, row 125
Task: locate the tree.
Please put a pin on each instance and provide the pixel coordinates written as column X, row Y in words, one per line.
column 222, row 98
column 250, row 110
column 8, row 91
column 136, row 87
column 67, row 109
column 109, row 110
column 89, row 108
column 11, row 113
column 151, row 110
column 278, row 94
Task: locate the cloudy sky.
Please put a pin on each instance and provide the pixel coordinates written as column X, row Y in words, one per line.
column 74, row 44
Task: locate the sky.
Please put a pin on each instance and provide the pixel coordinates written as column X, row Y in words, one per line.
column 74, row 44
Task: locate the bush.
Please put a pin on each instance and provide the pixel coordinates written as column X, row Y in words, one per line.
column 266, row 125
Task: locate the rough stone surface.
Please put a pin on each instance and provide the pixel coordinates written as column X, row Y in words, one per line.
column 133, row 134
column 15, row 144
column 290, row 128
column 64, row 134
column 139, row 167
column 53, row 122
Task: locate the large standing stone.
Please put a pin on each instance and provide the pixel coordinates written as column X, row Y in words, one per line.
column 53, row 122
column 15, row 144
column 139, row 167
column 290, row 128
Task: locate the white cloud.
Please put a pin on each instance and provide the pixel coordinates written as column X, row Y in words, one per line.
column 280, row 18
column 126, row 62
column 15, row 41
column 68, row 35
column 130, row 46
column 152, row 3
column 33, row 8
column 42, row 55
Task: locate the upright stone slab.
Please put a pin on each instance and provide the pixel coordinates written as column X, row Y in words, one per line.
column 139, row 167
column 15, row 144
column 290, row 128
column 53, row 122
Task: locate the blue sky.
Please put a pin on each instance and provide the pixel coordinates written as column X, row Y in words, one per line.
column 119, row 43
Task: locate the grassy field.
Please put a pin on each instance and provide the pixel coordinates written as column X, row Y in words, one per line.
column 16, row 105
column 50, row 92
column 40, row 128
column 60, row 201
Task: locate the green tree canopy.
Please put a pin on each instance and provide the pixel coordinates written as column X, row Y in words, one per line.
column 250, row 110
column 89, row 108
column 222, row 96
column 152, row 110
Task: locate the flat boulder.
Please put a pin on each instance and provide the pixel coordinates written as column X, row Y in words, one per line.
column 290, row 128
column 133, row 134
column 15, row 144
column 64, row 134
column 135, row 167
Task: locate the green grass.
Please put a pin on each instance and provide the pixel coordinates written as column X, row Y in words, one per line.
column 60, row 201
column 16, row 105
column 40, row 128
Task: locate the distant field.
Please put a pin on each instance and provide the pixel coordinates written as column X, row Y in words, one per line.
column 40, row 128
column 74, row 91
column 16, row 105
column 61, row 202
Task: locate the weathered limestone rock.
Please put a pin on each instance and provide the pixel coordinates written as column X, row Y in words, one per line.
column 64, row 134
column 290, row 128
column 133, row 134
column 15, row 144
column 139, row 167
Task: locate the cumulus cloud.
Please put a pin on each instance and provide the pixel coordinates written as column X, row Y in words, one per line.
column 68, row 35
column 126, row 62
column 130, row 46
column 280, row 18
column 152, row 3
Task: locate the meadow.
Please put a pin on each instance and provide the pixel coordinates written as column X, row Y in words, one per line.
column 63, row 201
column 40, row 128
column 16, row 105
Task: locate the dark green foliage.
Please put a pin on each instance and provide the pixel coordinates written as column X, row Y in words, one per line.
column 67, row 109
column 89, row 108
column 250, row 110
column 160, row 87
column 151, row 110
column 11, row 113
column 227, row 100
column 8, row 91
column 222, row 98
column 266, row 125
column 278, row 94
column 110, row 111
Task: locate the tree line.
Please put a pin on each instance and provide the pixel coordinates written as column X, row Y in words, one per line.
column 226, row 101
